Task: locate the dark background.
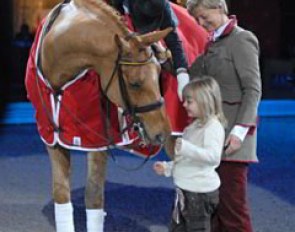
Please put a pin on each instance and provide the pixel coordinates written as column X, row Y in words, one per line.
column 270, row 20
column 5, row 50
column 273, row 23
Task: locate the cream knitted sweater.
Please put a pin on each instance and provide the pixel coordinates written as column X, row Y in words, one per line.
column 193, row 168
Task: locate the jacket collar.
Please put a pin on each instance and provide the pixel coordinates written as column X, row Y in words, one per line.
column 225, row 29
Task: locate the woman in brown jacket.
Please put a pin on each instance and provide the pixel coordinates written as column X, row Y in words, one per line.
column 232, row 58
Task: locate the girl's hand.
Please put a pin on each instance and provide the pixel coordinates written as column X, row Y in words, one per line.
column 159, row 168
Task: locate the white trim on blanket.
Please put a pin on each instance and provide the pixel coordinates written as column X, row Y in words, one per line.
column 40, row 74
column 55, row 106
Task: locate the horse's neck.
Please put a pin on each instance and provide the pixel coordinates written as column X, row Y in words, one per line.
column 102, row 12
column 78, row 41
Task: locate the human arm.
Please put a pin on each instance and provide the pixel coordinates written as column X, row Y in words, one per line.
column 209, row 153
column 235, row 139
column 245, row 54
column 174, row 44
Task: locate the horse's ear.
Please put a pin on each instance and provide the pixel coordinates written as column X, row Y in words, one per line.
column 152, row 37
column 122, row 43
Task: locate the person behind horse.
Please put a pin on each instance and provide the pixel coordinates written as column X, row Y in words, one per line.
column 151, row 15
column 69, row 33
column 197, row 154
column 232, row 58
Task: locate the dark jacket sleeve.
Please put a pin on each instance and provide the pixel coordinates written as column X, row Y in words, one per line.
column 175, row 46
column 172, row 40
column 118, row 5
column 167, row 19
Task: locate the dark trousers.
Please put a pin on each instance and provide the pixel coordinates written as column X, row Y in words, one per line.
column 232, row 213
column 197, row 212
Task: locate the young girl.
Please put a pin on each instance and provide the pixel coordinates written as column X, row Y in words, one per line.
column 197, row 154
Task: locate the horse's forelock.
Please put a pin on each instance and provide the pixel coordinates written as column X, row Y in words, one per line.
column 137, row 52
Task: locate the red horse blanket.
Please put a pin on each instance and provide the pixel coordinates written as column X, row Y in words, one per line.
column 80, row 111
column 193, row 38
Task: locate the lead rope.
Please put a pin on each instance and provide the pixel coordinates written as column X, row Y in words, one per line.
column 125, row 97
column 110, row 142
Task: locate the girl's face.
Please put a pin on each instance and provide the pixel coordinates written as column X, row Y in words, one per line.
column 191, row 106
column 209, row 19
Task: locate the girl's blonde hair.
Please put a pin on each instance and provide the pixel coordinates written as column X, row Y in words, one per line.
column 208, row 4
column 206, row 92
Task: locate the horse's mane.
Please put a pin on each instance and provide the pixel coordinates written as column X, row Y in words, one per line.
column 98, row 6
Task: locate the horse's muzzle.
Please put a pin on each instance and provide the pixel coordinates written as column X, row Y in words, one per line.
column 158, row 139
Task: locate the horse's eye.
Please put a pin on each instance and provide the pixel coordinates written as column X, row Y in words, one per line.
column 135, row 85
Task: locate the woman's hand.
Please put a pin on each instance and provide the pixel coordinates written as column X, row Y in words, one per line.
column 232, row 144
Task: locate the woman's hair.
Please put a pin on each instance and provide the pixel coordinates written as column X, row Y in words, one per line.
column 206, row 92
column 208, row 4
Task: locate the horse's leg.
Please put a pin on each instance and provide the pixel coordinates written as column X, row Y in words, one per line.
column 94, row 196
column 63, row 209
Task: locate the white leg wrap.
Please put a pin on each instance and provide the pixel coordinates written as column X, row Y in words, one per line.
column 95, row 220
column 64, row 219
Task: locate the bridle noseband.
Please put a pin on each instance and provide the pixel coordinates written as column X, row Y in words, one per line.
column 130, row 109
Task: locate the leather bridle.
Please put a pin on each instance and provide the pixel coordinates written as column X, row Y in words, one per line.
column 130, row 109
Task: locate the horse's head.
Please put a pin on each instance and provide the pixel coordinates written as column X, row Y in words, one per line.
column 138, row 72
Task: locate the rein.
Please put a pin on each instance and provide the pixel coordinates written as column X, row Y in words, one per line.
column 130, row 109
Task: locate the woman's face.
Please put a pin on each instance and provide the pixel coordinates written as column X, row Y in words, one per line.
column 209, row 19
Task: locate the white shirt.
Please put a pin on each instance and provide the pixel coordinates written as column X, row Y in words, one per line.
column 193, row 168
column 218, row 32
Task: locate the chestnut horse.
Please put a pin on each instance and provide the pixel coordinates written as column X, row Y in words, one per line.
column 89, row 34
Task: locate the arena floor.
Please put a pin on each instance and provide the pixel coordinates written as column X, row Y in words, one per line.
column 137, row 201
